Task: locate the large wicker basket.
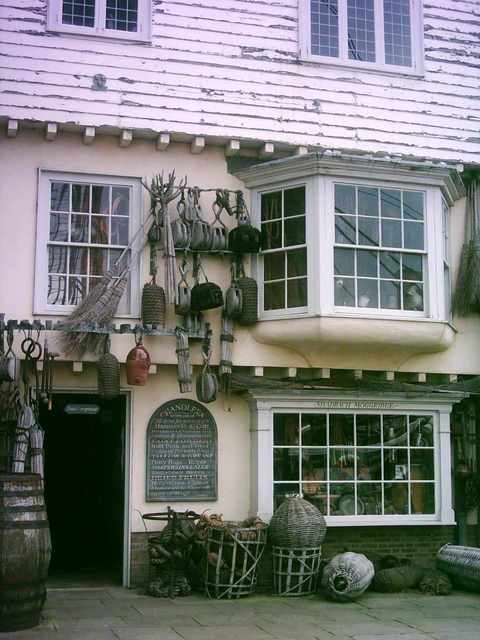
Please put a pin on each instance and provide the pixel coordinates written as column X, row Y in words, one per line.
column 462, row 564
column 232, row 556
column 295, row 571
column 347, row 576
column 297, row 524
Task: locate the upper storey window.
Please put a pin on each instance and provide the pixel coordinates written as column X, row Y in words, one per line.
column 376, row 34
column 127, row 19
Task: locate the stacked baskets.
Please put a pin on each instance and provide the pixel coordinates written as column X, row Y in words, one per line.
column 297, row 530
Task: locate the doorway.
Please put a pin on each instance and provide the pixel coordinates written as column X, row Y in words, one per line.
column 85, row 488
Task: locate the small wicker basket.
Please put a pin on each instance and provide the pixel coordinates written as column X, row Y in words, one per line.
column 108, row 376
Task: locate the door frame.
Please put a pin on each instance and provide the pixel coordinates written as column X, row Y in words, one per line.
column 127, row 462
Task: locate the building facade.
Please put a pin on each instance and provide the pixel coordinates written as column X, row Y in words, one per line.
column 349, row 126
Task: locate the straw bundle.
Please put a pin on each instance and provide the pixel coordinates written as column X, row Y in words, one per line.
column 36, row 449
column 467, row 290
column 22, row 432
column 183, row 355
column 226, row 341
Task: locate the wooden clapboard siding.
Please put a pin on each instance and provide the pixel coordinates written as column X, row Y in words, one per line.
column 230, row 68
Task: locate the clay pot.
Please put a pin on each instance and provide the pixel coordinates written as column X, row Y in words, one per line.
column 138, row 364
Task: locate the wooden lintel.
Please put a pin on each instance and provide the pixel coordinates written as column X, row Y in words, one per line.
column 453, row 377
column 292, row 372
column 198, row 144
column 163, row 141
column 301, row 151
column 267, row 150
column 126, row 138
column 12, row 128
column 88, row 135
column 232, row 148
column 51, row 131
column 77, row 367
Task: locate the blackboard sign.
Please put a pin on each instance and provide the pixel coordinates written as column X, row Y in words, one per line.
column 181, row 453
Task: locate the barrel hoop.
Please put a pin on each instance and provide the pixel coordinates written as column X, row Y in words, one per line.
column 33, row 507
column 22, row 494
column 23, row 524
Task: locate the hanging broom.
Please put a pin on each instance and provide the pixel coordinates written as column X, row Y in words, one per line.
column 25, row 422
column 467, row 290
column 226, row 340
column 184, row 365
column 36, row 449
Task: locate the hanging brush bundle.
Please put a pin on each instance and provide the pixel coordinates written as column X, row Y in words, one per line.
column 245, row 238
column 108, row 373
column 207, row 383
column 467, row 290
column 205, row 295
column 249, row 290
column 226, row 341
column 183, row 357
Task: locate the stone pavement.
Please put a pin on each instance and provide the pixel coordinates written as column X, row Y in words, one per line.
column 116, row 613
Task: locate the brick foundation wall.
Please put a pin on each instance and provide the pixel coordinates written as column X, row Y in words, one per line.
column 418, row 543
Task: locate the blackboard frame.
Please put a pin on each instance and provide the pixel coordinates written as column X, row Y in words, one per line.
column 154, row 494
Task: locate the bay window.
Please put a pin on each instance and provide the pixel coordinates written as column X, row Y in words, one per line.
column 380, row 34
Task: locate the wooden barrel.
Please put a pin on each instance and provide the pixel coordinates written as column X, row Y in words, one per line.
column 24, row 550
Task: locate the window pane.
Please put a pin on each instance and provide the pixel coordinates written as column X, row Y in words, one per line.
column 316, row 493
column 98, row 261
column 345, row 230
column 121, row 15
column 421, row 464
column 274, row 295
column 324, row 27
column 421, row 431
column 78, row 12
column 60, row 196
column 391, row 233
column 294, row 202
column 369, row 499
column 314, row 464
column 120, row 201
column 99, row 231
column 285, row 429
column 391, row 203
column 413, row 205
column 341, row 429
column 314, row 429
column 398, row 45
column 367, row 231
column 389, row 264
column 395, row 431
column 79, row 229
column 297, row 293
column 77, row 289
column 361, row 30
column 413, row 235
column 389, row 295
column 274, row 266
column 367, row 292
column 271, row 205
column 81, row 198
column 412, row 266
column 57, row 259
column 413, row 297
column 367, row 201
column 281, row 491
column 119, row 230
column 423, row 498
column 342, row 499
column 367, row 264
column 271, row 235
column 297, row 263
column 57, row 290
column 345, row 199
column 369, row 464
column 368, row 430
column 344, row 292
column 395, row 464
column 344, row 262
column 59, row 227
column 78, row 260
column 101, row 199
column 294, row 231
column 286, row 464
column 396, row 498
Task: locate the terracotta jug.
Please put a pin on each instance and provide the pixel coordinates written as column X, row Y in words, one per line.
column 138, row 364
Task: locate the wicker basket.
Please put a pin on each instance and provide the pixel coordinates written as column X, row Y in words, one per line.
column 462, row 564
column 153, row 304
column 249, row 312
column 297, row 524
column 347, row 576
column 232, row 556
column 108, row 376
column 295, row 571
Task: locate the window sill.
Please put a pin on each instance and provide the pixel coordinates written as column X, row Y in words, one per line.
column 399, row 521
column 94, row 34
column 361, row 67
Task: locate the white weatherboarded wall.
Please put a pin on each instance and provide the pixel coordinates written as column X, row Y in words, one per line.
column 230, row 68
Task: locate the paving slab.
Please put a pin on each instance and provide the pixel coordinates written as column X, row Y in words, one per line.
column 146, row 633
column 223, row 632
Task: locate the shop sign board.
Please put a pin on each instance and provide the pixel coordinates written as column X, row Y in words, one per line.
column 182, row 445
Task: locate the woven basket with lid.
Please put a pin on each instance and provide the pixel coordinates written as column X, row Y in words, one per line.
column 249, row 290
column 297, row 524
column 108, row 376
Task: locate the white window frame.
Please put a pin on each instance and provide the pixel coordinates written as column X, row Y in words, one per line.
column 265, row 404
column 143, row 33
column 45, row 178
column 416, row 13
column 320, row 229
